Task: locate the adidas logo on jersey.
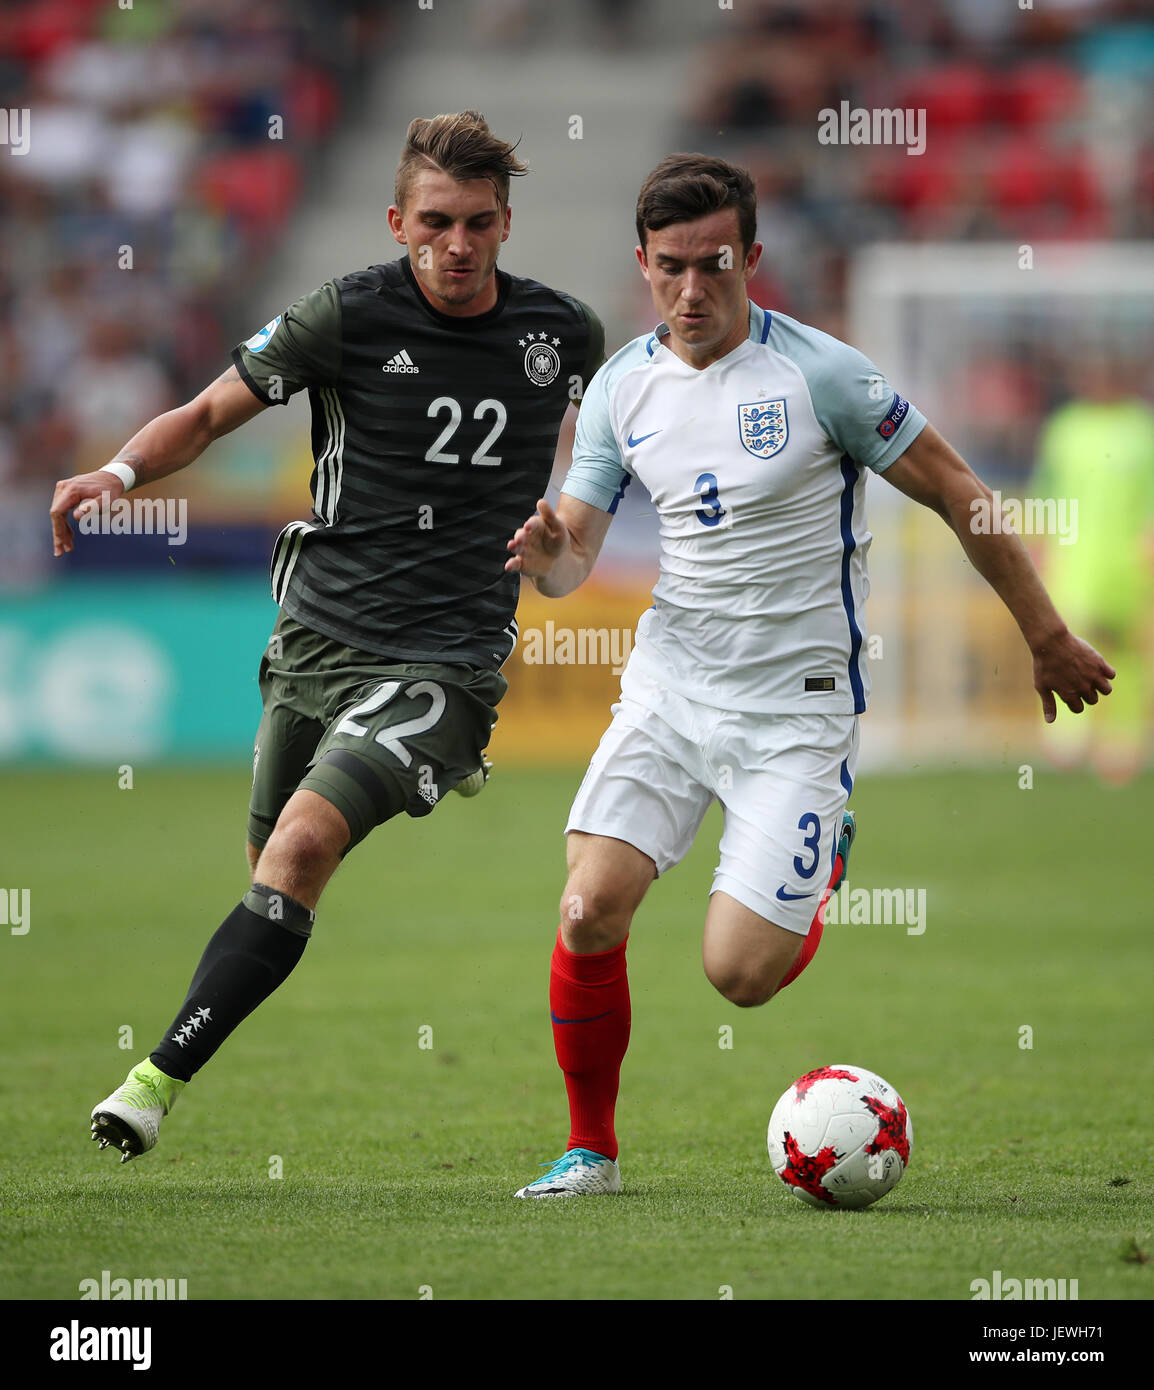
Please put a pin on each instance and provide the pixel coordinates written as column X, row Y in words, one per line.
column 402, row 362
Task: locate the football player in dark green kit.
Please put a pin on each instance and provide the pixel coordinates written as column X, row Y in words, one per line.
column 438, row 384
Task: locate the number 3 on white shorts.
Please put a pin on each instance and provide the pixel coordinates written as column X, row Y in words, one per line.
column 811, row 821
column 391, row 737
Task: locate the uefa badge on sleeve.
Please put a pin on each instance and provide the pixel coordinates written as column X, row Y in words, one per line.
column 898, row 411
column 260, row 339
column 764, row 427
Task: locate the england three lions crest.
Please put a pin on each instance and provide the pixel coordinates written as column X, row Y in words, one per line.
column 764, row 427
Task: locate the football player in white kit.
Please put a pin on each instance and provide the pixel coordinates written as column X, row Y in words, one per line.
column 753, row 434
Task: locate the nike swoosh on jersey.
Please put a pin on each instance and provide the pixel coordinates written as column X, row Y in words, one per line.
column 793, row 897
column 633, row 443
column 591, row 1019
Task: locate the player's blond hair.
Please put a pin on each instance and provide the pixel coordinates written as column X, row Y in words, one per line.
column 461, row 145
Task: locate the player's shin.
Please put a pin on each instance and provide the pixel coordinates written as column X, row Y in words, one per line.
column 812, row 939
column 252, row 953
column 809, row 944
column 589, row 1005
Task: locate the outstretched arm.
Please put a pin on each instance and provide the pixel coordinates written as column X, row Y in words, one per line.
column 169, row 442
column 557, row 549
column 934, row 474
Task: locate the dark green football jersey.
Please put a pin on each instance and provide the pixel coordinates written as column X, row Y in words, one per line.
column 433, row 436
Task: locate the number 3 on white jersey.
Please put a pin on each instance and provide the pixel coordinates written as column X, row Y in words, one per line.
column 711, row 511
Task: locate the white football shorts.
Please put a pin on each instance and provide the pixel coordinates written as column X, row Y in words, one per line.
column 783, row 781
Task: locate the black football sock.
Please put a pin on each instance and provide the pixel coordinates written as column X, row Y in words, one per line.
column 253, row 952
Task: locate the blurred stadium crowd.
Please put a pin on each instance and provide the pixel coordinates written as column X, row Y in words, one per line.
column 155, row 148
column 1039, row 127
column 154, row 137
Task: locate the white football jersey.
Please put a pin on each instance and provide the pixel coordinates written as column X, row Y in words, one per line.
column 756, row 466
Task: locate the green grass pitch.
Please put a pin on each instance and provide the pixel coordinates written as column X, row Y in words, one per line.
column 326, row 1153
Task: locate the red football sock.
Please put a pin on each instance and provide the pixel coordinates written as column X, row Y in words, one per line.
column 816, row 927
column 589, row 1004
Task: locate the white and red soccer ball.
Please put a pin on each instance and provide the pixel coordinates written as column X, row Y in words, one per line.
column 840, row 1137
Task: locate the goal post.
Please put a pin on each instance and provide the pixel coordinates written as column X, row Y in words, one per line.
column 986, row 339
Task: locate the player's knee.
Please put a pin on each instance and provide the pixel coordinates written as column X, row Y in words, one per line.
column 746, row 988
column 594, row 918
column 309, row 845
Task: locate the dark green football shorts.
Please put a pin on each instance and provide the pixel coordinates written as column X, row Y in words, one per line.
column 372, row 737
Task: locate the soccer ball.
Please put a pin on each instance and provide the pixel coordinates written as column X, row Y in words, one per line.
column 840, row 1137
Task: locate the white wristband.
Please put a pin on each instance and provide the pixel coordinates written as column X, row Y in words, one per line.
column 126, row 474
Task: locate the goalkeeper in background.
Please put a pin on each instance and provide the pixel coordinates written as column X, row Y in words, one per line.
column 1098, row 450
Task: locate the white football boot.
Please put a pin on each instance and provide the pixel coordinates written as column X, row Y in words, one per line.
column 129, row 1120
column 578, row 1173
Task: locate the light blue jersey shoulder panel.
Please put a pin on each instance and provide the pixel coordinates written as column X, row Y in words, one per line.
column 853, row 401
column 598, row 474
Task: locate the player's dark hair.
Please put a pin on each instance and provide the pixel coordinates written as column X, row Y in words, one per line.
column 461, row 145
column 684, row 187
